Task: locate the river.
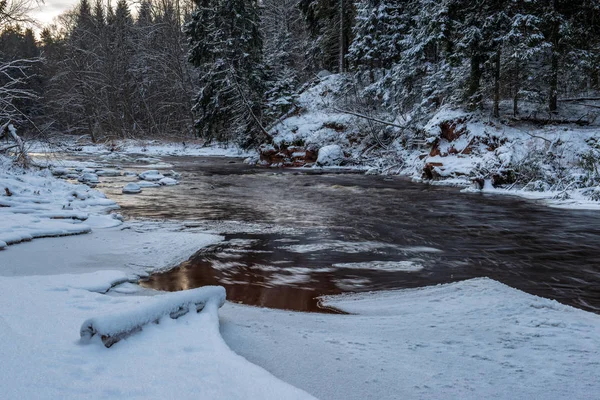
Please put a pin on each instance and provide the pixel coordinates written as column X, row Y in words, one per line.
column 294, row 234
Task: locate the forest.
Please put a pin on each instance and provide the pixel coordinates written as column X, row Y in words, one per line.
column 228, row 70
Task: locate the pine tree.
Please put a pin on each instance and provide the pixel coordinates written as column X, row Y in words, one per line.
column 226, row 46
column 330, row 24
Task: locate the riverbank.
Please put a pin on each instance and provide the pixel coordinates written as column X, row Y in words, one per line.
column 535, row 156
column 471, row 339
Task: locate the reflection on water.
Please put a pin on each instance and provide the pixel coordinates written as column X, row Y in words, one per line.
column 356, row 233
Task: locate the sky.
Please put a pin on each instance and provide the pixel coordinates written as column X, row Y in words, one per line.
column 46, row 12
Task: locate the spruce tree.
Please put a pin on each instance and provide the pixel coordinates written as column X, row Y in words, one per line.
column 226, row 47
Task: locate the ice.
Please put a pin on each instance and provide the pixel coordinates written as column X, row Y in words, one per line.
column 146, row 184
column 151, row 175
column 387, row 266
column 168, row 182
column 131, row 188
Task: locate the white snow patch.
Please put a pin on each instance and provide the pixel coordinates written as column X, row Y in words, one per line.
column 330, row 156
column 131, row 188
column 469, row 340
column 387, row 266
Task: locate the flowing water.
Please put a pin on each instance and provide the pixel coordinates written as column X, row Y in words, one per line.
column 292, row 235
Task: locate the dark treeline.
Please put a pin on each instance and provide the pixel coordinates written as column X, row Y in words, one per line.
column 227, row 69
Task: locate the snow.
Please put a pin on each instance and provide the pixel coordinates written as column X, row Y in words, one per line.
column 131, row 188
column 168, row 182
column 175, row 304
column 117, row 149
column 34, row 204
column 330, row 156
column 88, row 177
column 555, row 164
column 136, row 248
column 146, row 184
column 184, row 358
column 471, row 340
column 151, row 175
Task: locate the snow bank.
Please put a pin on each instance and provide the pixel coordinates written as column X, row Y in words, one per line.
column 477, row 339
column 118, row 325
column 184, row 358
column 136, row 248
column 34, row 204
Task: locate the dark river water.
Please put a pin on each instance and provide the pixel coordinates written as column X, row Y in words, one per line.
column 292, row 235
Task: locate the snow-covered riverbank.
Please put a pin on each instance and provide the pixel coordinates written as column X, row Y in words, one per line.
column 554, row 163
column 472, row 339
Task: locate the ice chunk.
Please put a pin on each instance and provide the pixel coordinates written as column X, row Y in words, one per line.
column 151, row 175
column 131, row 188
column 146, row 184
column 88, row 177
column 168, row 182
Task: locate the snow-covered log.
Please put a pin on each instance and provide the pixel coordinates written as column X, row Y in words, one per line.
column 113, row 327
column 8, row 130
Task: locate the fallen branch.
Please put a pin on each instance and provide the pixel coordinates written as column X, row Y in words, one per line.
column 368, row 118
column 114, row 327
column 575, row 99
column 8, row 130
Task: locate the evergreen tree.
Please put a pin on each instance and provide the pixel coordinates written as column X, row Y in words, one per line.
column 226, row 46
column 330, row 24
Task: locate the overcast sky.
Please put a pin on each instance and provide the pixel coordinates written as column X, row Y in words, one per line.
column 46, row 12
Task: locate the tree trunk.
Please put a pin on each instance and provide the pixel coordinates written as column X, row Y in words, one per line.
column 474, row 80
column 341, row 44
column 497, row 83
column 555, row 38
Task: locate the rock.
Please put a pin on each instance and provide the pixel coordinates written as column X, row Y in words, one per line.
column 108, row 172
column 323, row 74
column 88, row 178
column 330, row 156
column 151, row 175
column 131, row 188
column 168, row 182
column 430, row 171
column 60, row 171
column 146, row 184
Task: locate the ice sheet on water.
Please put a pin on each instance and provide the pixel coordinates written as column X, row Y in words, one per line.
column 387, row 266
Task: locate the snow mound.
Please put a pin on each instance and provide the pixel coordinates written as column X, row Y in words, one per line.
column 88, row 177
column 146, row 184
column 168, row 182
column 131, row 188
column 330, row 156
column 35, row 204
column 151, row 175
column 112, row 327
column 108, row 172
